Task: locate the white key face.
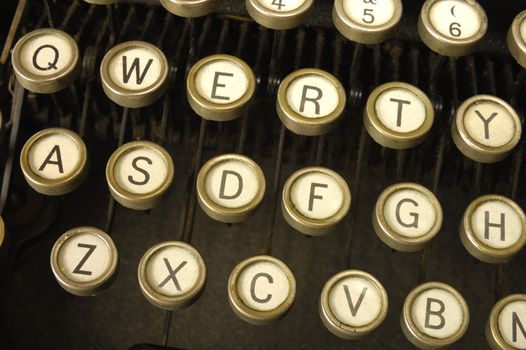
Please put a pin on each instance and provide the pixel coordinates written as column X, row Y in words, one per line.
column 54, row 156
column 410, row 213
column 141, row 170
column 400, row 110
column 370, row 13
column 263, row 286
column 232, row 184
column 172, row 271
column 84, row 257
column 437, row 313
column 489, row 124
column 312, row 96
column 316, row 195
column 46, row 54
column 510, row 320
column 135, row 68
column 281, row 5
column 455, row 19
column 497, row 224
column 221, row 81
column 522, row 30
column 355, row 301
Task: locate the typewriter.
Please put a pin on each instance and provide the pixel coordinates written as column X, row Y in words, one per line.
column 262, row 174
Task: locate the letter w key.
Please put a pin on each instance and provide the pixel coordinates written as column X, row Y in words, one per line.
column 135, row 66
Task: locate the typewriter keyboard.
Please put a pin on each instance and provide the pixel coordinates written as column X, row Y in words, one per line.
column 262, row 174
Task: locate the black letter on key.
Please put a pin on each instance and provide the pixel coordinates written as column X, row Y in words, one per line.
column 58, row 162
column 486, row 122
column 216, row 84
column 50, row 65
column 488, row 224
column 314, row 100
column 414, row 215
column 142, row 171
column 171, row 274
column 515, row 321
column 91, row 249
column 401, row 104
column 222, row 194
column 437, row 313
column 126, row 73
column 253, row 287
column 354, row 308
column 312, row 196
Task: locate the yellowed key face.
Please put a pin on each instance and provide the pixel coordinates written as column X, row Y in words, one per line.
column 84, row 261
column 54, row 161
column 505, row 328
column 516, row 39
column 172, row 275
column 261, row 289
column 352, row 304
column 279, row 14
column 46, row 60
column 434, row 315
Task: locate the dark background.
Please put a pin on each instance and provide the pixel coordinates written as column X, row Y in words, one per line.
column 36, row 313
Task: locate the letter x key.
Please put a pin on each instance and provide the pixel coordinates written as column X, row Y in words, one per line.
column 172, row 273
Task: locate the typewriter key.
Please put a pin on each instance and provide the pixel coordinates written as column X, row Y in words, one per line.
column 493, row 229
column 220, row 87
column 84, row 261
column 230, row 187
column 315, row 200
column 398, row 115
column 353, row 303
column 54, row 161
column 452, row 27
column 407, row 216
column 101, row 2
column 46, row 60
column 310, row 101
column 486, row 129
column 367, row 22
column 139, row 174
column 261, row 289
column 134, row 74
column 2, row 232
column 516, row 39
column 279, row 14
column 506, row 326
column 172, row 275
column 434, row 316
column 190, row 8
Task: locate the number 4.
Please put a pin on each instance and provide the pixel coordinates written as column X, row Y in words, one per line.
column 278, row 3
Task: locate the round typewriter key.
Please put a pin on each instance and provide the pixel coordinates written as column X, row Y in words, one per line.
column 261, row 289
column 486, row 128
column 310, row 101
column 493, row 229
column 516, row 39
column 452, row 27
column 353, row 303
column 134, row 74
column 46, row 60
column 84, row 261
column 367, row 22
column 230, row 187
column 315, row 200
column 434, row 316
column 139, row 174
column 506, row 326
column 279, row 14
column 172, row 275
column 101, row 2
column 219, row 87
column 398, row 115
column 407, row 216
column 2, row 232
column 54, row 161
column 190, row 8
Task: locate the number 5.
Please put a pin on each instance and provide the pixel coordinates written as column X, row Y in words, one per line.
column 368, row 16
